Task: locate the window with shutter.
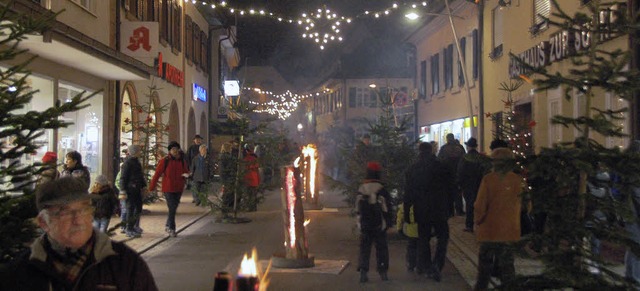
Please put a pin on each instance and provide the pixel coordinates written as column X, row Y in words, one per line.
column 423, row 79
column 463, row 45
column 541, row 10
column 196, row 44
column 448, row 73
column 177, row 27
column 188, row 38
column 435, row 74
column 476, row 53
column 203, row 51
column 496, row 32
column 164, row 20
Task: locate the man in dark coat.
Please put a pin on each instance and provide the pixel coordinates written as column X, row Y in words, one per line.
column 472, row 167
column 428, row 185
column 71, row 255
column 192, row 152
column 132, row 185
column 450, row 155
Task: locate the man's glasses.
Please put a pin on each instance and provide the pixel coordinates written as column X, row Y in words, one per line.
column 63, row 214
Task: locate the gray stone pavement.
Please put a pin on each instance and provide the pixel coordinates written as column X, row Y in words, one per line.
column 331, row 236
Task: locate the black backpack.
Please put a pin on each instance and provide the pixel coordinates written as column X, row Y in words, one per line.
column 371, row 216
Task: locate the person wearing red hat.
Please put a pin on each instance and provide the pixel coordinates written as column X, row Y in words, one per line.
column 50, row 162
column 374, row 218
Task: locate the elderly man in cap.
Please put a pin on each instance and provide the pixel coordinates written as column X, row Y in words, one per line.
column 472, row 167
column 71, row 255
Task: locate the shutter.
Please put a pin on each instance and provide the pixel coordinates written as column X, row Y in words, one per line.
column 450, row 66
column 423, row 79
column 476, row 53
column 541, row 8
column 463, row 44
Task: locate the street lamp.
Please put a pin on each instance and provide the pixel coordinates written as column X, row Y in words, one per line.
column 300, row 132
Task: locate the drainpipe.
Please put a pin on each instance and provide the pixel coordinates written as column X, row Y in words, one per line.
column 118, row 107
column 212, row 95
column 480, row 78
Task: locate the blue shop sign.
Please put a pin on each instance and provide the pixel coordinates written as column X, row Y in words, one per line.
column 199, row 93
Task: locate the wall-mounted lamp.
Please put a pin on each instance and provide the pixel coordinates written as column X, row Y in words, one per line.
column 504, row 3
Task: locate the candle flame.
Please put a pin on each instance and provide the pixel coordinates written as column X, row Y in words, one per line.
column 306, row 222
column 248, row 266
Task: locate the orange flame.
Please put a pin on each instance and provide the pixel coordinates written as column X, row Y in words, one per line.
column 311, row 152
column 249, row 268
column 291, row 202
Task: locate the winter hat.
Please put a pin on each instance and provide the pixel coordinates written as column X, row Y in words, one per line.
column 134, row 150
column 173, row 144
column 197, row 136
column 374, row 166
column 50, row 157
column 502, row 154
column 61, row 191
column 102, row 180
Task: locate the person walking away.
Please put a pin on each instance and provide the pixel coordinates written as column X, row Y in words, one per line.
column 192, row 152
column 73, row 167
column 201, row 174
column 251, row 178
column 374, row 218
column 173, row 170
column 71, row 255
column 472, row 167
column 50, row 163
column 410, row 230
column 428, row 187
column 497, row 217
column 132, row 185
column 450, row 155
column 104, row 201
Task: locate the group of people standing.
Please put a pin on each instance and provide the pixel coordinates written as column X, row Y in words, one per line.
column 432, row 194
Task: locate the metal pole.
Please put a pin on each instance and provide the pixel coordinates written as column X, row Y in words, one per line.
column 463, row 64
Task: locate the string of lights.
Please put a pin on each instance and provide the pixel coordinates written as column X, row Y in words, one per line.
column 321, row 26
column 282, row 104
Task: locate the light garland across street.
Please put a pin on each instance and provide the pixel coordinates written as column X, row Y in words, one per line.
column 280, row 105
column 321, row 25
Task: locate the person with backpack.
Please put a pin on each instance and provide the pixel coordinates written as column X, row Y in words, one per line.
column 174, row 171
column 429, row 183
column 374, row 218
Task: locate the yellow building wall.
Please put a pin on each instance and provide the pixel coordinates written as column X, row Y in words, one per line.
column 517, row 20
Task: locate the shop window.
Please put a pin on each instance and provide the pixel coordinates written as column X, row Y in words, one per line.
column 84, row 134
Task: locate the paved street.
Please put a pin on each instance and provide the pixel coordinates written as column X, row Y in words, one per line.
column 190, row 261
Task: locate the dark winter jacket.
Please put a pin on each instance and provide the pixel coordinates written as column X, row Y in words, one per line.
column 201, row 172
column 79, row 171
column 132, row 178
column 450, row 155
column 172, row 179
column 472, row 167
column 111, row 266
column 106, row 202
column 192, row 152
column 428, row 186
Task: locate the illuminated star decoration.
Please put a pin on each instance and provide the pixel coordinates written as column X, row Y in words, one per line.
column 316, row 26
column 323, row 26
column 280, row 105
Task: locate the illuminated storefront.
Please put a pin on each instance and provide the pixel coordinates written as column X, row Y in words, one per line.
column 461, row 129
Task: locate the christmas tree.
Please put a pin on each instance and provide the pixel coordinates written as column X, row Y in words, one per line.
column 562, row 177
column 150, row 132
column 19, row 132
column 510, row 126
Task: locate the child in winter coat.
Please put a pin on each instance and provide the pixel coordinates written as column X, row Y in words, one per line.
column 105, row 202
column 410, row 230
column 374, row 218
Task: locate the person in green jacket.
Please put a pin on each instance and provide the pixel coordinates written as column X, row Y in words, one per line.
column 410, row 230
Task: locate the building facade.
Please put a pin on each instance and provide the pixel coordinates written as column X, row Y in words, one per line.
column 448, row 91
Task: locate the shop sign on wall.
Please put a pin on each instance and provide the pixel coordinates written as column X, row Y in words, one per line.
column 199, row 93
column 563, row 44
column 139, row 39
column 169, row 73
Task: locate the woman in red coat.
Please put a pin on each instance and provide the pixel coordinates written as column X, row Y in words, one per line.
column 251, row 178
column 173, row 170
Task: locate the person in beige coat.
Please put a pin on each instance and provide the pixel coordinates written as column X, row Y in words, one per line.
column 497, row 218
